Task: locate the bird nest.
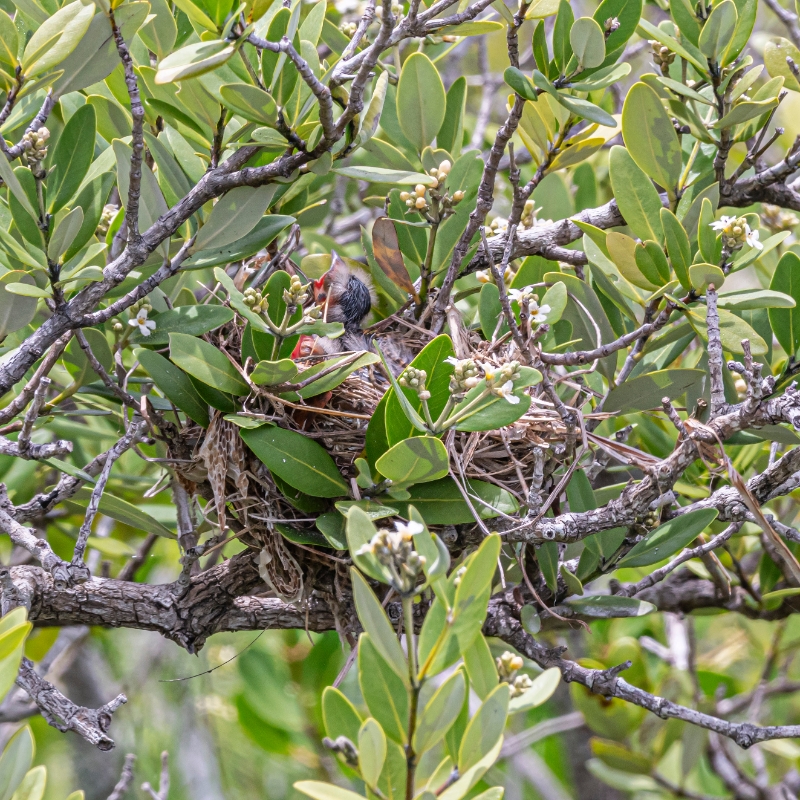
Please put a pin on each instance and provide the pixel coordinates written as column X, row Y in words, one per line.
column 248, row 502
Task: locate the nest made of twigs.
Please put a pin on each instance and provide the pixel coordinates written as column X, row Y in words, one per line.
column 245, row 496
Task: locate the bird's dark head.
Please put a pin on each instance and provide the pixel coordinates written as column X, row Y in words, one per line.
column 345, row 292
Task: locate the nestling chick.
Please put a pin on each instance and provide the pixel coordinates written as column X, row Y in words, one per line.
column 346, row 295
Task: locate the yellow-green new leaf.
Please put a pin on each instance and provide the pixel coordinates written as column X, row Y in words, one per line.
column 56, row 38
column 371, row 751
column 440, row 712
column 650, row 137
column 318, row 790
column 484, row 729
column 776, row 52
column 193, row 60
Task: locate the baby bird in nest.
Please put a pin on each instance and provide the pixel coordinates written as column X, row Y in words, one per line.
column 346, row 295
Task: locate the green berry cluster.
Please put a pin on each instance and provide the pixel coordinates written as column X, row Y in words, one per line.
column 430, row 200
column 415, row 379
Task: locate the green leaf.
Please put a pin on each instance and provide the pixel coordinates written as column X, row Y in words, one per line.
column 385, row 693
column 588, row 43
column 441, row 502
column 161, row 32
column 56, row 38
column 669, row 538
column 776, row 51
column 520, row 83
column 339, row 715
column 360, row 532
column 716, row 35
column 733, row 329
column 744, row 111
column 562, row 49
column 333, row 378
column 193, row 60
column 152, row 204
column 123, row 511
column 446, row 634
column 383, row 175
column 678, row 247
column 636, row 196
column 403, row 404
column 576, row 105
column 189, row 320
column 703, row 275
column 371, row 751
column 785, row 322
column 415, row 460
column 377, row 625
column 175, row 385
column 64, row 234
column 646, row 391
column 271, row 373
column 440, row 712
column 421, row 100
column 15, row 761
column 606, row 606
column 468, row 779
column 15, row 188
column 267, row 229
column 9, row 42
column 494, row 412
column 451, row 134
column 484, row 729
column 602, row 78
column 530, row 620
column 652, row 262
column 250, row 102
column 748, row 299
column 96, row 55
column 547, row 557
column 234, row 215
column 540, row 691
column 72, row 157
column 92, row 199
column 325, row 791
column 480, row 666
column 650, row 137
column 206, row 363
column 300, row 461
column 15, row 311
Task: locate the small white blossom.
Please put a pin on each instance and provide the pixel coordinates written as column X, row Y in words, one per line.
column 722, row 223
column 141, row 322
column 451, row 360
column 751, row 237
column 506, row 391
column 519, row 295
column 408, row 528
column 541, row 315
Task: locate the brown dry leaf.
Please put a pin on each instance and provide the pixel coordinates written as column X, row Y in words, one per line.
column 387, row 253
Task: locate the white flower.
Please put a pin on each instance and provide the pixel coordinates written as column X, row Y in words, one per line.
column 141, row 322
column 507, row 391
column 451, row 360
column 541, row 315
column 751, row 237
column 722, row 223
column 489, row 372
column 520, row 294
column 408, row 528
